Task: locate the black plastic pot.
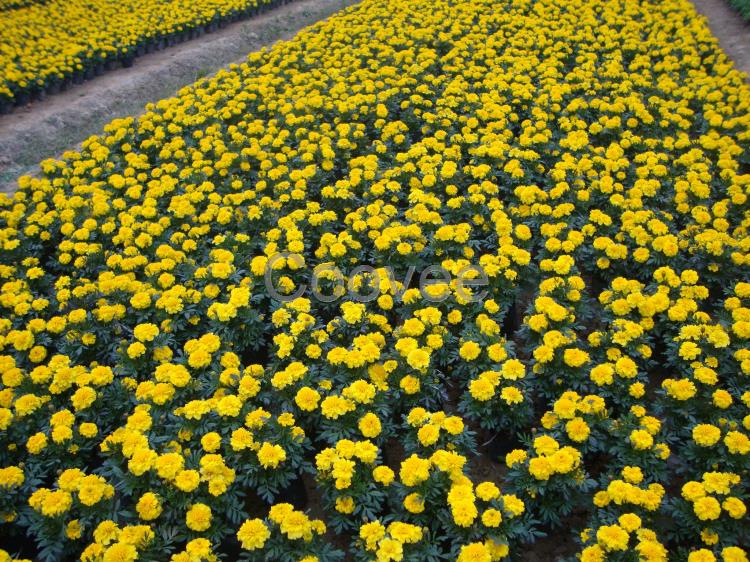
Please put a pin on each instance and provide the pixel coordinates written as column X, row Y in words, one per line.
column 22, row 98
column 6, row 106
column 127, row 62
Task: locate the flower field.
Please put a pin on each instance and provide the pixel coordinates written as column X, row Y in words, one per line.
column 12, row 4
column 428, row 282
column 46, row 45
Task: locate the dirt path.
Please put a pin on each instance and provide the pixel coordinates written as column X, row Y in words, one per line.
column 728, row 26
column 47, row 128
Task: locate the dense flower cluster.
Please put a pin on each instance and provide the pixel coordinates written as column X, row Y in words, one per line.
column 12, row 4
column 43, row 44
column 589, row 157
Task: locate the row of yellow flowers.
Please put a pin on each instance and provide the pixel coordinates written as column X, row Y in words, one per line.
column 45, row 45
column 214, row 343
column 12, row 4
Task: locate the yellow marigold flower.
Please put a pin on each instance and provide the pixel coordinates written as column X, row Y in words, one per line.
column 187, row 480
column 487, row 491
column 270, row 456
column 577, row 429
column 735, row 507
column 706, row 435
column 253, row 534
column 428, row 434
column 211, row 442
column 707, row 508
column 469, row 351
column 575, row 357
column 198, row 517
column 632, row 474
column 414, row 470
column 418, row 359
column 307, row 399
column 73, row 529
column 629, row 521
column 733, row 554
column 737, row 443
column 11, row 477
column 148, row 506
column 481, row 389
column 474, row 552
column 511, row 395
column 146, row 332
column 383, row 475
column 701, row 555
column 136, row 350
column 641, row 439
column 541, row 468
column 612, row 537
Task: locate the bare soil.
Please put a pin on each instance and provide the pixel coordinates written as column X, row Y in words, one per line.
column 45, row 129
